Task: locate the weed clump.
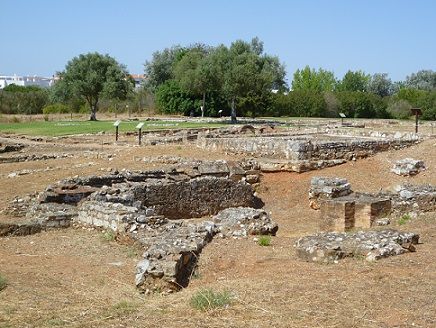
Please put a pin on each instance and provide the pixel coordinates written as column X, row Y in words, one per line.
column 108, row 235
column 404, row 219
column 264, row 241
column 3, row 282
column 207, row 299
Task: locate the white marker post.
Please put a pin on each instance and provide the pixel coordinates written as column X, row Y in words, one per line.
column 139, row 127
column 116, row 124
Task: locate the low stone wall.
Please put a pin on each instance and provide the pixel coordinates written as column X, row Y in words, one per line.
column 309, row 148
column 114, row 206
column 410, row 198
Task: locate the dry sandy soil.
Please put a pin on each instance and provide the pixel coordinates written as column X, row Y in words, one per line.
column 75, row 278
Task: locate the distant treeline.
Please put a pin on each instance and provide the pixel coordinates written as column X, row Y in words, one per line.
column 240, row 80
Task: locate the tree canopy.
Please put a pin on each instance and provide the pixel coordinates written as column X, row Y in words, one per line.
column 312, row 80
column 242, row 74
column 92, row 76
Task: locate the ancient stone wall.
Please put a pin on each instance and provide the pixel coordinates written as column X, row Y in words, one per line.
column 299, row 148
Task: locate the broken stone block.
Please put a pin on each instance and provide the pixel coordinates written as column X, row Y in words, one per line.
column 327, row 188
column 372, row 245
column 408, row 166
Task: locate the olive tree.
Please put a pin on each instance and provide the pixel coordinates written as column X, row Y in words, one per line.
column 93, row 76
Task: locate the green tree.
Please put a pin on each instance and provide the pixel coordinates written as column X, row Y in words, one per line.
column 354, row 81
column 172, row 99
column 92, row 76
column 362, row 104
column 422, row 80
column 195, row 74
column 380, row 84
column 312, row 80
column 160, row 68
column 15, row 99
column 247, row 75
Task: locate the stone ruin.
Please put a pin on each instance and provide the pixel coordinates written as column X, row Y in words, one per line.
column 173, row 214
column 342, row 211
column 304, row 151
column 329, row 247
column 408, row 167
column 6, row 148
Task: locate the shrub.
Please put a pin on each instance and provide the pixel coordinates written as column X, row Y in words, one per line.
column 56, row 109
column 207, row 299
column 264, row 241
column 400, row 109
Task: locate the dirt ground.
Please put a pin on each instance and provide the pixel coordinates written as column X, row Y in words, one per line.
column 75, row 278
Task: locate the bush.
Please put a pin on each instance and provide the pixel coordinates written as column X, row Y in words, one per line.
column 56, row 109
column 207, row 299
column 299, row 103
column 400, row 109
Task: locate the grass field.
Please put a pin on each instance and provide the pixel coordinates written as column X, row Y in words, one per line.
column 59, row 128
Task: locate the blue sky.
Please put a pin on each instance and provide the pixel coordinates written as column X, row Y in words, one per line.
column 391, row 36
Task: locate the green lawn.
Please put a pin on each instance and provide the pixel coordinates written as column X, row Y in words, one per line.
column 59, row 128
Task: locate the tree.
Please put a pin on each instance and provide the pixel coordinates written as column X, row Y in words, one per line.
column 422, row 80
column 247, row 75
column 399, row 109
column 194, row 73
column 354, row 81
column 380, row 84
column 160, row 68
column 311, row 80
column 92, row 76
column 171, row 99
column 15, row 99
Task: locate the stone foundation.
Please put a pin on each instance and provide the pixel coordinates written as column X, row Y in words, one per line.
column 371, row 245
column 305, row 147
column 156, row 208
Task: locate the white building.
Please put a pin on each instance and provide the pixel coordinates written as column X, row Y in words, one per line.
column 139, row 80
column 23, row 81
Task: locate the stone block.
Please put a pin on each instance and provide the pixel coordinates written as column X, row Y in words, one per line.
column 369, row 209
column 337, row 215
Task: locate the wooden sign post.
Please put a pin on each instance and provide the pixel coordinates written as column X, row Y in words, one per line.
column 417, row 112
